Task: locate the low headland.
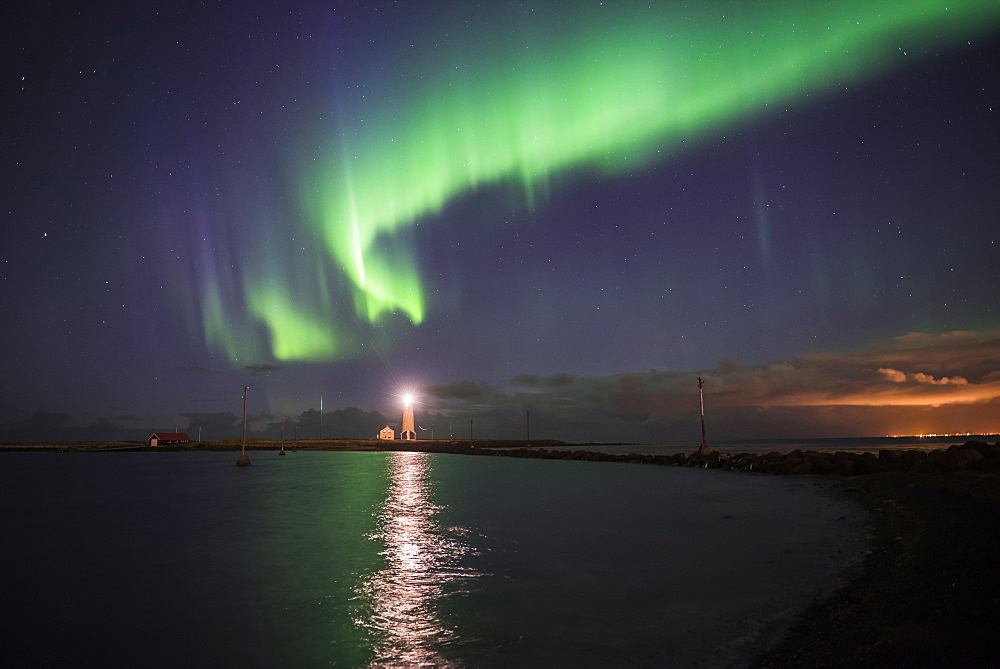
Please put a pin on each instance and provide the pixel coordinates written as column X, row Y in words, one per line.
column 927, row 593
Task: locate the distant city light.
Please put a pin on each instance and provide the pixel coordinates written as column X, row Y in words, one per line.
column 923, row 435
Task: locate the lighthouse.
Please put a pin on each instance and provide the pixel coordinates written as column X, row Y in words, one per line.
column 408, row 431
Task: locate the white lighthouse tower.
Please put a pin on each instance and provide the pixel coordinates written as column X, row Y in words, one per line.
column 408, row 431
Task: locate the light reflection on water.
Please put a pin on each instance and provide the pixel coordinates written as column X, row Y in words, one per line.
column 399, row 604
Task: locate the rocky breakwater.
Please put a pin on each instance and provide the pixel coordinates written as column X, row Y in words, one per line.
column 972, row 455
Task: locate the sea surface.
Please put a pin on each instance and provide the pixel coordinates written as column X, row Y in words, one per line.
column 404, row 559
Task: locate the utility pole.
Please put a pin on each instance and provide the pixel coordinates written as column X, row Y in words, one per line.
column 243, row 460
column 704, row 449
column 472, row 443
column 701, row 400
column 244, row 439
column 282, row 451
column 320, row 416
column 527, row 420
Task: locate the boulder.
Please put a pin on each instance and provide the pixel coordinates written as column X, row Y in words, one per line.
column 845, row 465
column 744, row 462
column 791, row 461
column 708, row 460
column 770, row 463
column 989, row 451
column 894, row 459
column 989, row 464
column 916, row 460
column 971, row 454
column 869, row 464
column 965, row 457
column 820, row 463
column 804, row 466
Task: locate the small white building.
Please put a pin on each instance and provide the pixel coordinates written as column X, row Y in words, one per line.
column 386, row 433
column 158, row 438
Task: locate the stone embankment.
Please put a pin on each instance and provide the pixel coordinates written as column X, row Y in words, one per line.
column 972, row 455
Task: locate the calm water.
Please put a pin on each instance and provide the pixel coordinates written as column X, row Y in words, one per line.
column 401, row 559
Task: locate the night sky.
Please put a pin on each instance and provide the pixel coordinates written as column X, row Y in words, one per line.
column 572, row 208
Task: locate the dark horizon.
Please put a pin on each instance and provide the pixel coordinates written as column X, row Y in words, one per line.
column 353, row 423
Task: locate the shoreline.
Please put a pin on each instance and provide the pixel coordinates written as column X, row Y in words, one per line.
column 926, row 594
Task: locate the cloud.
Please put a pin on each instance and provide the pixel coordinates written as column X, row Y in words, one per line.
column 948, row 382
column 213, row 425
column 917, row 383
column 258, row 370
column 349, row 422
column 954, row 368
column 63, row 427
column 893, row 375
column 965, row 353
column 943, row 381
column 462, row 390
column 260, row 416
column 198, row 369
column 551, row 381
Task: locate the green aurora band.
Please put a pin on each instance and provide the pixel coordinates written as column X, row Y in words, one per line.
column 609, row 92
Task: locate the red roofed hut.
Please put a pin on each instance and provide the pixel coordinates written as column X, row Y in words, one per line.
column 159, row 438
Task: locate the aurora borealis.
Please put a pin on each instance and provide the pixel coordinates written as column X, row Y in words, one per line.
column 514, row 204
column 600, row 99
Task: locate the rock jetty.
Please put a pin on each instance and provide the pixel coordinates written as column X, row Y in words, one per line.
column 970, row 456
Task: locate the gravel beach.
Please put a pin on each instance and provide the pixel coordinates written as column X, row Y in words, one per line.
column 928, row 594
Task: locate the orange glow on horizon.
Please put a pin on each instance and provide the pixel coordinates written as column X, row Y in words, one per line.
column 922, row 395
